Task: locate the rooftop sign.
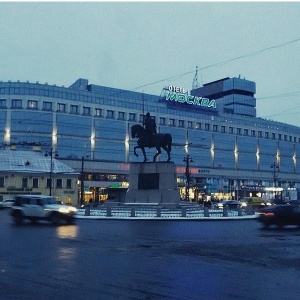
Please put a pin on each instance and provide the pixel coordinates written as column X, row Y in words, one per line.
column 179, row 94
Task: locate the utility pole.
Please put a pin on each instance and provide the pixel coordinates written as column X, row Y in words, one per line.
column 187, row 159
column 275, row 167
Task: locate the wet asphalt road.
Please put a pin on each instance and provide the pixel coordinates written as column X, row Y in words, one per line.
column 111, row 259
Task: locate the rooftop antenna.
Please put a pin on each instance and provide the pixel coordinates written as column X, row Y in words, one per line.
column 195, row 80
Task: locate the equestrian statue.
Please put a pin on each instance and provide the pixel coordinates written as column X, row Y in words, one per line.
column 148, row 137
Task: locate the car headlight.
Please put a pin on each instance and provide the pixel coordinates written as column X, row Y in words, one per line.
column 72, row 209
column 63, row 210
column 244, row 204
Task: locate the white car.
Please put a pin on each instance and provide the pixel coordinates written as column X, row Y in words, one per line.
column 40, row 207
column 8, row 203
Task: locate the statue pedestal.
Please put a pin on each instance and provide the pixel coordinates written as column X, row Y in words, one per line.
column 153, row 183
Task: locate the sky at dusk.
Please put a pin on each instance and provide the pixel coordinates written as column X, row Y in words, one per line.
column 145, row 46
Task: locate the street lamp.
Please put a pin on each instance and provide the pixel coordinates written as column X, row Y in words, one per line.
column 275, row 168
column 82, row 180
column 51, row 169
column 187, row 159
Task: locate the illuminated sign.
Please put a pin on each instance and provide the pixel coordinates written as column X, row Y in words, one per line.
column 179, row 94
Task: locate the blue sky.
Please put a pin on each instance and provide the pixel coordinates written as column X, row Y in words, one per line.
column 134, row 44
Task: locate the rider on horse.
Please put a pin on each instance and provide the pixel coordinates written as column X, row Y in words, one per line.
column 150, row 127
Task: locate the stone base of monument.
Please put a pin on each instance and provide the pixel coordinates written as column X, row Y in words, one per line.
column 153, row 183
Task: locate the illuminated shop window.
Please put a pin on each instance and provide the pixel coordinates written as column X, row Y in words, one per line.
column 172, row 122
column 98, row 112
column 198, row 125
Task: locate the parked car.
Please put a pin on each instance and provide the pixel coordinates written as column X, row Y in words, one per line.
column 40, row 207
column 231, row 204
column 8, row 203
column 280, row 215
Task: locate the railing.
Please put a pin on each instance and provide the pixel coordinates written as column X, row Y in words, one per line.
column 145, row 212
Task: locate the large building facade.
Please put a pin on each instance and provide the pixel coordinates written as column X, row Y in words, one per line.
column 231, row 152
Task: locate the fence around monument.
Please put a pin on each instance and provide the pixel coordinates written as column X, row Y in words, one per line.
column 145, row 212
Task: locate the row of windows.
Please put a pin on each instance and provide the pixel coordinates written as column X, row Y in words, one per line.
column 35, row 183
column 121, row 115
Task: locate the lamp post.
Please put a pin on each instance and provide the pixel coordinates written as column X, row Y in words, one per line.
column 275, row 168
column 82, row 181
column 51, row 169
column 187, row 159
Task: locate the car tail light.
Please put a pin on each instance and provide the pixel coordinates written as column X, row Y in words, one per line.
column 269, row 214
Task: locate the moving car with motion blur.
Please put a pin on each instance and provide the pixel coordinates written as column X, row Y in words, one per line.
column 8, row 203
column 280, row 215
column 40, row 207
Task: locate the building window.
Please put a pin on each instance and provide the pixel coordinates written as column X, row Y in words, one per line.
column 181, row 123
column 47, row 105
column 246, row 132
column 48, row 183
column 2, row 182
column 16, row 103
column 238, row 131
column 162, row 121
column 285, row 137
column 86, row 111
column 59, row 183
column 215, row 127
column 231, row 130
column 69, row 184
column 24, row 182
column 98, row 112
column 274, row 136
column 2, row 103
column 110, row 114
column 61, row 107
column 32, row 104
column 132, row 117
column 223, row 130
column 35, row 182
column 172, row 122
column 279, row 136
column 252, row 132
column 295, row 140
column 190, row 124
column 198, row 125
column 207, row 126
column 68, row 200
column 121, row 115
column 260, row 134
column 142, row 118
column 74, row 109
column 266, row 135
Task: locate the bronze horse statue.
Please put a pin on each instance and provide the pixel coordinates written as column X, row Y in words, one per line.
column 160, row 140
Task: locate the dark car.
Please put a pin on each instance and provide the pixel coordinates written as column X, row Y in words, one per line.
column 280, row 215
column 231, row 204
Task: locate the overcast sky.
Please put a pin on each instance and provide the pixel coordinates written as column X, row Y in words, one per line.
column 131, row 45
